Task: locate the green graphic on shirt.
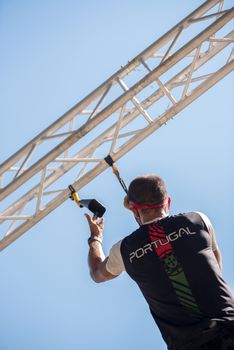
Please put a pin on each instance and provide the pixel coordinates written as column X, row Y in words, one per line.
column 173, row 269
column 183, row 291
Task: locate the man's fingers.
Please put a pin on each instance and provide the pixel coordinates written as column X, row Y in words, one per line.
column 95, row 223
column 89, row 219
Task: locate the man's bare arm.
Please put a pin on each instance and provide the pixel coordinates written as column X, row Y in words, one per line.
column 211, row 231
column 97, row 263
column 96, row 258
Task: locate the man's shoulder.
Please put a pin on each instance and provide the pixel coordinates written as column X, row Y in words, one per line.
column 190, row 215
column 186, row 218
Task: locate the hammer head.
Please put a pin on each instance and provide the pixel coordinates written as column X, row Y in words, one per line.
column 94, row 206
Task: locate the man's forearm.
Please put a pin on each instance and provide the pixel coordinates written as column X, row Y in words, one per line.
column 95, row 258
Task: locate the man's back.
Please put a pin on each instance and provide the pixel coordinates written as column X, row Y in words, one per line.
column 173, row 262
column 177, row 265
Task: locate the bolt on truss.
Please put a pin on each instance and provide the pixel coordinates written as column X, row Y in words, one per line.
column 132, row 104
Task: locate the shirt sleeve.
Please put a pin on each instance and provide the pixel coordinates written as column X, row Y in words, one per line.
column 210, row 230
column 115, row 263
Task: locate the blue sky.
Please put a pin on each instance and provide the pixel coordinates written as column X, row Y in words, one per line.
column 53, row 53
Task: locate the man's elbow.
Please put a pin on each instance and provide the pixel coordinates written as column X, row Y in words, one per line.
column 101, row 275
column 96, row 277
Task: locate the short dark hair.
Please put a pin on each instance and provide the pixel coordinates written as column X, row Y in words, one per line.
column 147, row 189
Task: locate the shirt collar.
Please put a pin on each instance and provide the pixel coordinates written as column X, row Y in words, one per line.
column 154, row 220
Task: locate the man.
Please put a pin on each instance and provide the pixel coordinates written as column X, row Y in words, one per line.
column 176, row 263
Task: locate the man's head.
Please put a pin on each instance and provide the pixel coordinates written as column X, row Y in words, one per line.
column 148, row 197
column 147, row 189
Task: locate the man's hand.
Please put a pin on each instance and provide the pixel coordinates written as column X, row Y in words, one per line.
column 96, row 225
column 96, row 258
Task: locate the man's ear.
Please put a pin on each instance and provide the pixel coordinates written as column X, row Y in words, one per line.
column 126, row 203
column 169, row 203
column 135, row 212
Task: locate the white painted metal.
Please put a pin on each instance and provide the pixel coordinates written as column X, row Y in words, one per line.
column 80, row 107
column 115, row 105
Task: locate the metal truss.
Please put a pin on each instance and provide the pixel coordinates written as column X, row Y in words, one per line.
column 128, row 107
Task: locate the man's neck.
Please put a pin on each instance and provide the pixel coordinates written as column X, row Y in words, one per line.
column 152, row 216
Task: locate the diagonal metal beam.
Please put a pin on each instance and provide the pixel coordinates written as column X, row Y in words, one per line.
column 175, row 81
column 80, row 107
column 114, row 106
column 128, row 146
column 119, row 106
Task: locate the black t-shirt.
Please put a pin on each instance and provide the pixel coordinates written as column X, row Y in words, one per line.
column 173, row 263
